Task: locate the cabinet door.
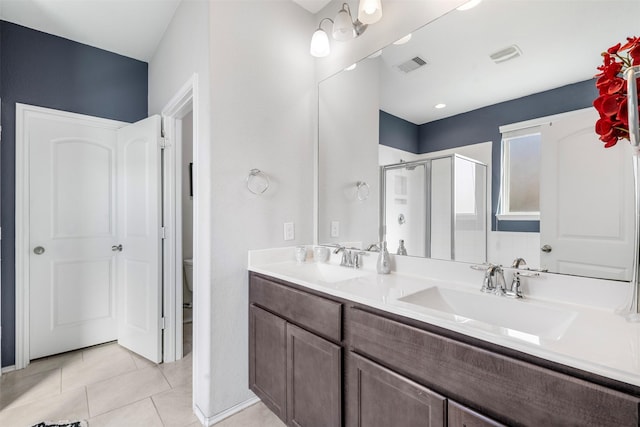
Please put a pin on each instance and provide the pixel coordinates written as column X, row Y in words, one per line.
column 314, row 387
column 461, row 416
column 378, row 397
column 268, row 359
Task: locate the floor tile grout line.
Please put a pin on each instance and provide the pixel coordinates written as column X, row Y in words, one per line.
column 86, row 397
column 153, row 402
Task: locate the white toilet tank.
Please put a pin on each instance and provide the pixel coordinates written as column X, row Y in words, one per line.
column 188, row 273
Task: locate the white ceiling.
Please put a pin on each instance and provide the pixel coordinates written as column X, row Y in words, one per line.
column 561, row 41
column 131, row 28
column 313, row 6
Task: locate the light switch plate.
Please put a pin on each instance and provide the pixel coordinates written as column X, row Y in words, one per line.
column 289, row 231
column 335, row 228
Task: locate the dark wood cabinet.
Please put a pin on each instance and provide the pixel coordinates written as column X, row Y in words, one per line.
column 461, row 416
column 268, row 360
column 403, row 373
column 296, row 373
column 509, row 390
column 314, row 384
column 378, row 397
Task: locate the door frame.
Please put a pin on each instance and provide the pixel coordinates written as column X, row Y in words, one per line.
column 22, row 209
column 183, row 102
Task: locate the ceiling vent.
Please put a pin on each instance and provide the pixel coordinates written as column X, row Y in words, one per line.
column 506, row 54
column 412, row 64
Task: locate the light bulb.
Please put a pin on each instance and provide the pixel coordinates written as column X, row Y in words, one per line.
column 469, row 5
column 403, row 40
column 369, row 11
column 320, row 44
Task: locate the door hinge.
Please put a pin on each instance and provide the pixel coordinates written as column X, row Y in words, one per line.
column 163, row 233
column 164, row 143
column 162, row 324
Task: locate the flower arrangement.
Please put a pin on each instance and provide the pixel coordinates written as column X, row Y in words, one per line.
column 611, row 103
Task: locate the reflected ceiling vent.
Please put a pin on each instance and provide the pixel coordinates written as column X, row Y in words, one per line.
column 412, row 64
column 506, row 54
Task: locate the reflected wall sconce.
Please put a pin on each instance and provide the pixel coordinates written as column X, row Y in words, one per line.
column 344, row 28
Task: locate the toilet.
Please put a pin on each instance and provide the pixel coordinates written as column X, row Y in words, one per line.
column 188, row 273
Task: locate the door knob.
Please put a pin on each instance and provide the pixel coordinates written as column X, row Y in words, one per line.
column 546, row 249
column 38, row 250
column 115, row 248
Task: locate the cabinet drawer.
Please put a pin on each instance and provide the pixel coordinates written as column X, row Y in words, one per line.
column 506, row 389
column 317, row 314
column 460, row 416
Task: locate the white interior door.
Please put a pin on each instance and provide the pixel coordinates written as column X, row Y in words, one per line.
column 72, row 226
column 139, row 222
column 586, row 203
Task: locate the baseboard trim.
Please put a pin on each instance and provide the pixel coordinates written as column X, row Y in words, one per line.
column 209, row 421
column 8, row 369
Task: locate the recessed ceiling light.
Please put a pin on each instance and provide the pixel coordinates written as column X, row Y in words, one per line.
column 351, row 67
column 469, row 5
column 439, row 106
column 375, row 54
column 403, row 40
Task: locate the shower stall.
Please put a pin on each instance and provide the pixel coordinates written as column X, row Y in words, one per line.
column 437, row 206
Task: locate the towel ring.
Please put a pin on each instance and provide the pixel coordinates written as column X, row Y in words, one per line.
column 257, row 181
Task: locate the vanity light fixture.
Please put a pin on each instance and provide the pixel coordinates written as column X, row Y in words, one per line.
column 403, row 40
column 469, row 5
column 344, row 27
column 370, row 11
column 351, row 67
column 439, row 106
column 375, row 54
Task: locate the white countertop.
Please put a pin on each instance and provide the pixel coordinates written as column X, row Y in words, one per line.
column 597, row 340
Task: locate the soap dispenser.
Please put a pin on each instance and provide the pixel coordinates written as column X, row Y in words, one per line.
column 401, row 249
column 384, row 261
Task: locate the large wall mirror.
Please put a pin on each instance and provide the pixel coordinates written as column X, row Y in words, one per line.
column 437, row 141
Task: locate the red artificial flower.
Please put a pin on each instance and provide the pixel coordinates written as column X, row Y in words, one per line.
column 611, row 103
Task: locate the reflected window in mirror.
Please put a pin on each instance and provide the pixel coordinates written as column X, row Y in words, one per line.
column 520, row 175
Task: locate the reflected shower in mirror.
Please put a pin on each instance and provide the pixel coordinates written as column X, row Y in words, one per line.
column 515, row 65
column 436, row 208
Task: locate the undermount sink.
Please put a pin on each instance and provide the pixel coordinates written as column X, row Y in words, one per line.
column 519, row 319
column 329, row 273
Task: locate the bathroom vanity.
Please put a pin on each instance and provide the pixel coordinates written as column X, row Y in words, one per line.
column 363, row 352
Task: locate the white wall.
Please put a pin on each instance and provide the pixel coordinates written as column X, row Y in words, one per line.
column 348, row 154
column 262, row 116
column 183, row 51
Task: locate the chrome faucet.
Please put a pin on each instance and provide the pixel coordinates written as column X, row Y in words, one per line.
column 346, row 260
column 494, row 280
column 515, row 291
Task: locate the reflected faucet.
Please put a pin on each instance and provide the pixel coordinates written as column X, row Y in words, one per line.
column 373, row 247
column 518, row 262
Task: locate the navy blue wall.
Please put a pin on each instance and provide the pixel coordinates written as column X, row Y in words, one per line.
column 48, row 71
column 482, row 125
column 398, row 133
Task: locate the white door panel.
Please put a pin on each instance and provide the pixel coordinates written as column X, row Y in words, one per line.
column 72, row 216
column 586, row 200
column 139, row 222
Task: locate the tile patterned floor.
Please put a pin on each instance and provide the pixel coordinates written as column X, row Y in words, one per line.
column 110, row 386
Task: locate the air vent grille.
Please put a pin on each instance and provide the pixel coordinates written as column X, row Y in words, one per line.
column 412, row 64
column 506, row 54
